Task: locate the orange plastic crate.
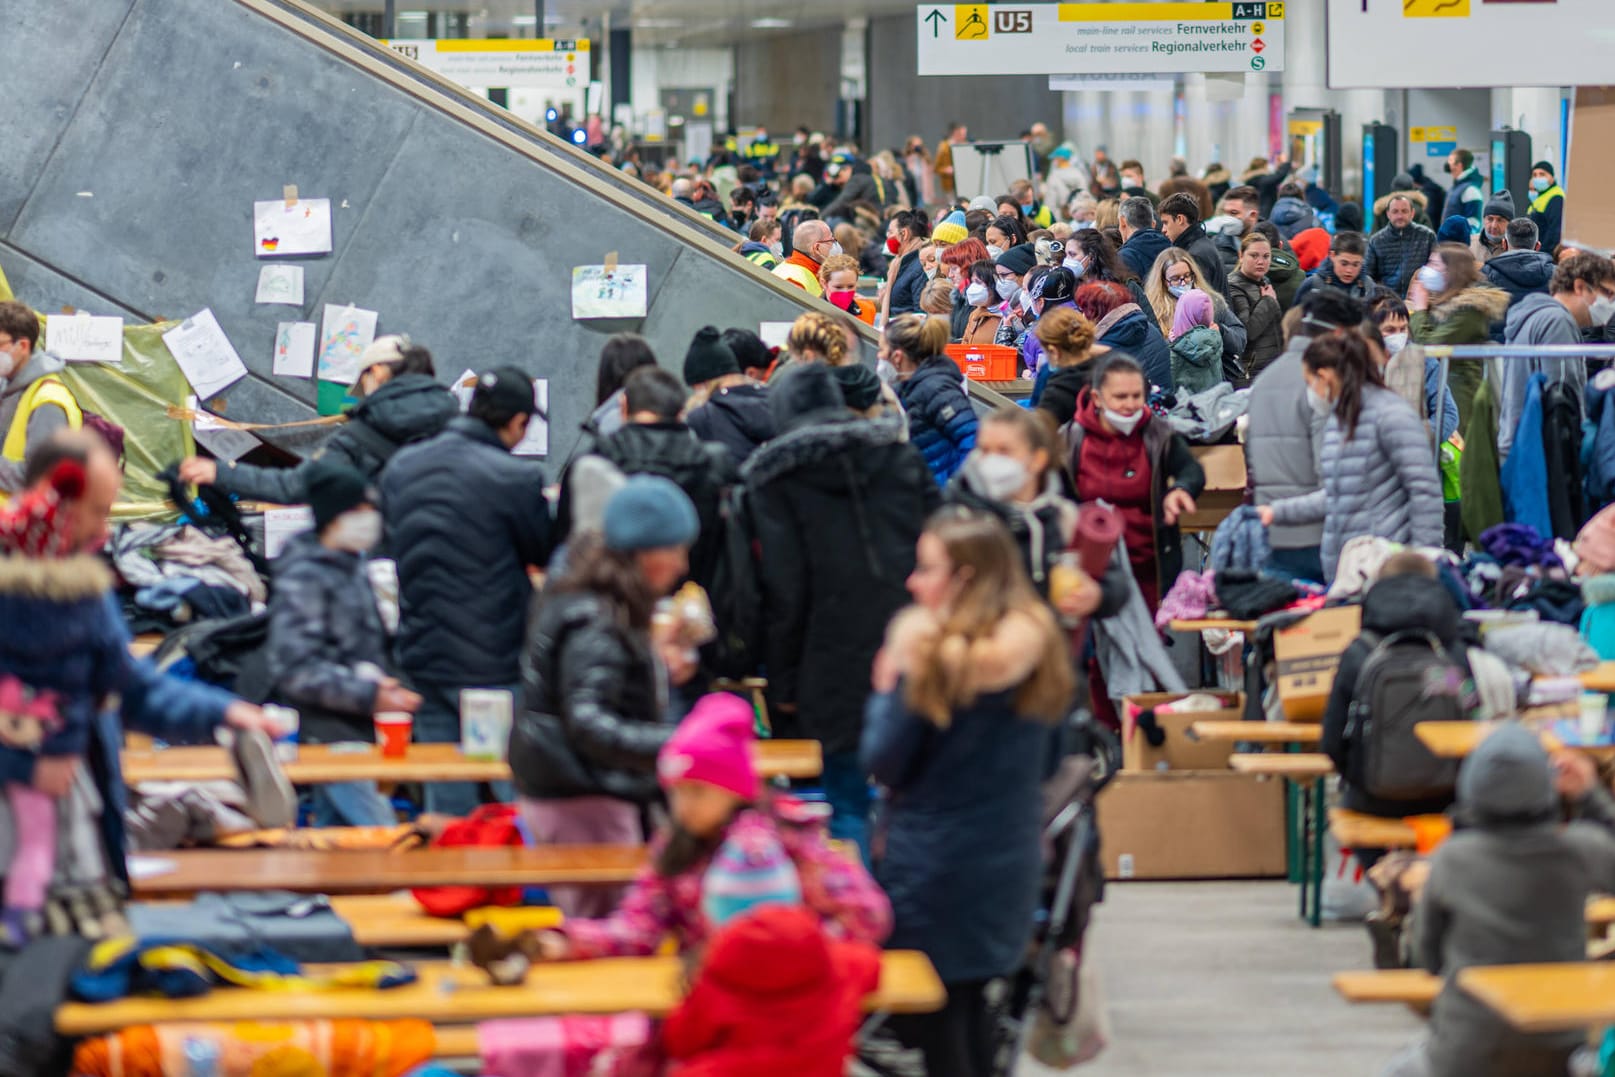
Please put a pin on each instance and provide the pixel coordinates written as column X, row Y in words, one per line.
column 986, row 362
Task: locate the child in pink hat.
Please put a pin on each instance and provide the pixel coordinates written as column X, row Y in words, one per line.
column 717, row 801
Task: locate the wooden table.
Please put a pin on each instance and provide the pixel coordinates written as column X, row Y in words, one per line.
column 1455, row 740
column 1296, row 766
column 1200, row 624
column 319, row 764
column 1304, row 772
column 447, row 995
column 1355, row 830
column 1258, row 732
column 1546, row 998
column 370, row 871
column 1415, row 987
column 143, row 645
column 1601, row 679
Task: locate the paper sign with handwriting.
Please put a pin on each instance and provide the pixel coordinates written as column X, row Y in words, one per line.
column 281, row 524
column 294, row 349
column 304, row 227
column 205, row 354
column 345, row 334
column 81, row 338
column 281, row 284
column 615, row 292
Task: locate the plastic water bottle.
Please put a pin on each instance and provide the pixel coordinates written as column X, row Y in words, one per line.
column 201, row 1058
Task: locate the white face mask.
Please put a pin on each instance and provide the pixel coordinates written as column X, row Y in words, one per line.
column 1178, row 290
column 1433, row 279
column 994, row 252
column 835, row 250
column 977, row 294
column 1602, row 310
column 1319, row 403
column 1395, row 342
column 1027, row 302
column 1002, row 477
column 1076, row 265
column 356, row 531
column 1124, row 424
column 1007, row 288
column 8, row 364
column 1083, row 226
column 777, row 250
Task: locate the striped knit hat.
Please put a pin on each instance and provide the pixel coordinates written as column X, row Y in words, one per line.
column 747, row 872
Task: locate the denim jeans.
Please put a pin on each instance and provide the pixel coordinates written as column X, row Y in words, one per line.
column 846, row 790
column 351, row 804
column 438, row 722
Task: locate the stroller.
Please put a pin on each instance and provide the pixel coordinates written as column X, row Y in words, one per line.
column 1042, row 999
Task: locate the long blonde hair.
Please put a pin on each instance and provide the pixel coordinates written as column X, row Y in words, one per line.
column 994, row 585
column 1163, row 302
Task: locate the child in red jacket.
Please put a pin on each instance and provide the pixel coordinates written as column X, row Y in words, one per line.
column 774, row 994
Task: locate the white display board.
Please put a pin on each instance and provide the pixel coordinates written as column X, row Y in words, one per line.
column 1404, row 44
column 541, row 63
column 1102, row 38
column 989, row 168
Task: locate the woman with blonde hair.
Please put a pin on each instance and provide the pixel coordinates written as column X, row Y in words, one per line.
column 816, row 338
column 969, row 682
column 1175, row 274
column 941, row 422
column 1068, row 340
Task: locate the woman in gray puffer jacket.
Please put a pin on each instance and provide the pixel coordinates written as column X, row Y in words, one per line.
column 1378, row 467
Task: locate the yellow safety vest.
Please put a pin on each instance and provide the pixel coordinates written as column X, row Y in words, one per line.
column 44, row 392
column 5, row 287
column 765, row 259
column 800, row 276
column 1540, row 202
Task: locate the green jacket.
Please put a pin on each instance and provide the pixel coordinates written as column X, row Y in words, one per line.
column 1478, row 467
column 1465, row 318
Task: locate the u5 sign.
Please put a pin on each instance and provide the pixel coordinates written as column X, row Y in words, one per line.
column 1099, row 38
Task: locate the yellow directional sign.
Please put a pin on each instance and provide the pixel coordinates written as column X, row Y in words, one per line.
column 1435, row 9
column 970, row 22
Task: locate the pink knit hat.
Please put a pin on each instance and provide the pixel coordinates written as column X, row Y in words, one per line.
column 1596, row 544
column 713, row 745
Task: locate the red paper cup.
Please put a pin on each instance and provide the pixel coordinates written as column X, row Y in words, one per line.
column 393, row 731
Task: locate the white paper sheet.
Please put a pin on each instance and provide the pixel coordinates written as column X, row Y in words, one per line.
column 463, row 387
column 304, row 227
column 620, row 293
column 224, row 443
column 294, row 349
column 537, row 440
column 205, row 354
column 281, row 524
column 149, row 867
column 281, row 284
column 83, row 338
column 345, row 334
column 774, row 334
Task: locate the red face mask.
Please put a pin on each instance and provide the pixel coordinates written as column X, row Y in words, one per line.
column 842, row 299
column 892, row 245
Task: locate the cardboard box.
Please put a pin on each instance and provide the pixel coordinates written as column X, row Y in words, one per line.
column 1179, row 752
column 1192, row 824
column 1224, row 466
column 1306, row 656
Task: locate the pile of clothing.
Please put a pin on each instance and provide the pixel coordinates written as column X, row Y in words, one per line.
column 176, row 574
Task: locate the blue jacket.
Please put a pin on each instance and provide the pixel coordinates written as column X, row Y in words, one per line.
column 1525, row 472
column 1598, row 618
column 1598, row 447
column 1142, row 249
column 1467, row 199
column 1139, row 336
column 910, row 282
column 1438, row 400
column 962, row 862
column 941, row 422
column 465, row 519
column 1519, row 273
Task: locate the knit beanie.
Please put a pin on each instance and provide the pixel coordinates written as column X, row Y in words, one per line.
column 748, row 871
column 713, row 745
column 984, row 203
column 1546, row 166
column 708, row 358
column 1019, row 259
column 334, row 489
column 952, row 230
column 1595, row 545
column 1348, row 218
column 1500, row 204
column 649, row 513
column 860, row 386
column 1454, row 230
column 33, row 523
column 1311, row 247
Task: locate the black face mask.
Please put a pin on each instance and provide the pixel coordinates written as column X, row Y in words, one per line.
column 1447, row 168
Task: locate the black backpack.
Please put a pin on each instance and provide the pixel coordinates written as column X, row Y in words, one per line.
column 1407, row 678
column 737, row 590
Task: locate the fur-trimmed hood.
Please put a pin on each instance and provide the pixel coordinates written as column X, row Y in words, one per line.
column 53, row 614
column 817, row 442
column 1421, row 204
column 1492, row 302
column 67, row 580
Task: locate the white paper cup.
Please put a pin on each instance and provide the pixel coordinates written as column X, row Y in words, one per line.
column 1594, row 710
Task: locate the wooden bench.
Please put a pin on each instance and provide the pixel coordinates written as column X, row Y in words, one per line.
column 372, row 871
column 1546, row 998
column 1201, row 624
column 1601, row 679
column 447, row 995
column 1455, row 740
column 319, row 764
column 397, row 921
column 1308, row 733
column 143, row 646
column 1355, row 830
column 1414, row 988
column 1305, row 772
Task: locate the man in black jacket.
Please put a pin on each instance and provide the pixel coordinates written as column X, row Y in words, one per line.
column 466, row 520
column 1142, row 241
column 838, row 504
column 1180, row 220
column 654, row 441
column 736, row 413
column 1398, row 250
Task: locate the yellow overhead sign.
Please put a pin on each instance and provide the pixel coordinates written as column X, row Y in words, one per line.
column 1170, row 12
